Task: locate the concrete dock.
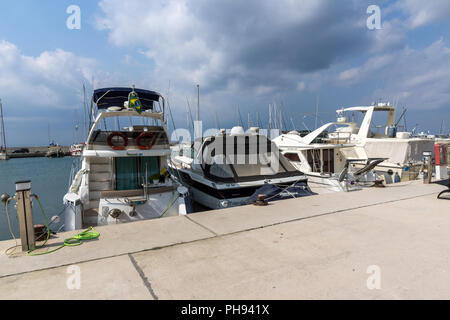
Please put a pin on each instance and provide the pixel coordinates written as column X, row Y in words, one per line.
column 379, row 243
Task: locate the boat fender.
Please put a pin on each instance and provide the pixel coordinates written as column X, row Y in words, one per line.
column 147, row 135
column 118, row 134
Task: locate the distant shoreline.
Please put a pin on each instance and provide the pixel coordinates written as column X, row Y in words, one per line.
column 34, row 151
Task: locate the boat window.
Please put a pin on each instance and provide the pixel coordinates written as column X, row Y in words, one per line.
column 100, row 138
column 131, row 172
column 119, row 122
column 292, row 156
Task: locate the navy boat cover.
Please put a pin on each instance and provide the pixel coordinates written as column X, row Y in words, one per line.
column 274, row 193
column 115, row 97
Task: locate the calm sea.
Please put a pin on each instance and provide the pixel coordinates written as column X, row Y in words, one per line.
column 49, row 180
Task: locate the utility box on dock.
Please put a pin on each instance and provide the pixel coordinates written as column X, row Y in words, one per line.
column 427, row 167
column 25, row 215
column 441, row 154
column 73, row 212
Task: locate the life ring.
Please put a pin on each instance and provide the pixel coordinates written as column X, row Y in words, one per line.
column 118, row 134
column 147, row 135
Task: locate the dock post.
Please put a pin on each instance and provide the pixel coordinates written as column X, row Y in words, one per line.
column 25, row 215
column 427, row 167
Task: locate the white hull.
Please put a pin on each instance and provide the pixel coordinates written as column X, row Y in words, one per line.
column 326, row 185
column 211, row 202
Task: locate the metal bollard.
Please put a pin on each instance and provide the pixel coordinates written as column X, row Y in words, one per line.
column 427, row 167
column 25, row 215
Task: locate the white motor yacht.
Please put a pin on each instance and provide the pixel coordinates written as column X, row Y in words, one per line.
column 3, row 150
column 325, row 165
column 123, row 175
column 402, row 152
column 233, row 169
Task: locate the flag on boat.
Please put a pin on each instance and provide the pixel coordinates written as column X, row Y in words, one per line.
column 134, row 102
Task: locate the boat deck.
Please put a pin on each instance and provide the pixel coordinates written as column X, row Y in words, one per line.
column 318, row 247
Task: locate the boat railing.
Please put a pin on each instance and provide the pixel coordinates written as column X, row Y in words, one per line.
column 75, row 168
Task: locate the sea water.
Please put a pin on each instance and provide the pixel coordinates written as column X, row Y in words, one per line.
column 49, row 180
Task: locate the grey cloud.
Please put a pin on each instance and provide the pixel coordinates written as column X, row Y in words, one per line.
column 257, row 43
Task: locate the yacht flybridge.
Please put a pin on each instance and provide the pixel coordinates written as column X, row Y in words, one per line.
column 402, row 153
column 327, row 168
column 233, row 169
column 123, row 175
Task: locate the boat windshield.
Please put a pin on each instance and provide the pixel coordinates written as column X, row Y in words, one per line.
column 121, row 122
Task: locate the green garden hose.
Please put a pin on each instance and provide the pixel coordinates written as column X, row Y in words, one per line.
column 88, row 234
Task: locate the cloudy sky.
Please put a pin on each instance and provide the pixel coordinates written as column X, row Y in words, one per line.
column 298, row 53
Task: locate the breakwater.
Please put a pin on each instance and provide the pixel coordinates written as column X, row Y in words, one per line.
column 34, row 152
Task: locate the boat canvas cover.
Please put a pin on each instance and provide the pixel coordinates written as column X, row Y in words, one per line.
column 398, row 150
column 243, row 158
column 274, row 192
column 115, row 97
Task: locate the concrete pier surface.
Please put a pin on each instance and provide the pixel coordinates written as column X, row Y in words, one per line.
column 379, row 243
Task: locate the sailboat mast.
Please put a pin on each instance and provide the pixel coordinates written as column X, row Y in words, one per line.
column 281, row 117
column 274, row 114
column 217, row 120
column 84, row 113
column 293, row 125
column 3, row 135
column 190, row 115
column 198, row 102
column 270, row 116
column 317, row 111
column 239, row 117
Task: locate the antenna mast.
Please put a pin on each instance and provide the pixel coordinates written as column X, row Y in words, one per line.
column 198, row 102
